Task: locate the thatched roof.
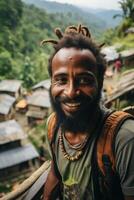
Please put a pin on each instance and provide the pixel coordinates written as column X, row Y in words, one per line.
column 11, row 131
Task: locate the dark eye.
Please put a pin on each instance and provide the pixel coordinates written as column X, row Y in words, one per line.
column 85, row 80
column 61, row 80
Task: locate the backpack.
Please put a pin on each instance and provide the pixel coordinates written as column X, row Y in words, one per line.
column 106, row 184
column 108, row 180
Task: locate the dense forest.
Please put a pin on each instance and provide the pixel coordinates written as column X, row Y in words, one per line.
column 24, row 26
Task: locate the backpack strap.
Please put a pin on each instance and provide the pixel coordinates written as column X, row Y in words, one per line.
column 51, row 126
column 108, row 180
column 106, row 140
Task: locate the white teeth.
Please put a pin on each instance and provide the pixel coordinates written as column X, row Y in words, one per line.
column 73, row 104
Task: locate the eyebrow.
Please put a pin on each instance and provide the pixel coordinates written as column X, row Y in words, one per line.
column 91, row 74
column 59, row 74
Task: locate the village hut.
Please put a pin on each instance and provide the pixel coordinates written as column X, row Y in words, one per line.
column 11, row 87
column 38, row 107
column 127, row 57
column 6, row 107
column 43, row 85
column 129, row 31
column 17, row 155
column 122, row 94
column 110, row 53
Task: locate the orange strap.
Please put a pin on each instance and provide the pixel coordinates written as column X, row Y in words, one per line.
column 105, row 141
column 51, row 125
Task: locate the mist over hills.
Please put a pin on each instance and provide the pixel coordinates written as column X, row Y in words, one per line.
column 95, row 18
column 106, row 15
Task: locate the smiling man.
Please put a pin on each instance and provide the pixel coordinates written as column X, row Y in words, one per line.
column 74, row 89
column 77, row 70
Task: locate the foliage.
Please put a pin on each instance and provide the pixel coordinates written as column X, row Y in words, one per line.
column 21, row 56
column 5, row 64
column 24, row 26
column 27, row 73
column 127, row 7
column 10, row 13
column 126, row 23
column 22, row 29
column 119, row 33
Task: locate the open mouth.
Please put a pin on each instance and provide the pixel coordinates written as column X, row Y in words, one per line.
column 73, row 104
column 71, row 107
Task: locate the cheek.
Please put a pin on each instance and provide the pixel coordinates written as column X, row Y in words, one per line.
column 91, row 91
column 56, row 90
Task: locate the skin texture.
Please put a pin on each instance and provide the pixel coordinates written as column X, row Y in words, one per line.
column 52, row 181
column 74, row 89
column 73, row 74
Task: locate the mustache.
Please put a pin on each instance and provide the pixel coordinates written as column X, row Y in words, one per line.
column 81, row 98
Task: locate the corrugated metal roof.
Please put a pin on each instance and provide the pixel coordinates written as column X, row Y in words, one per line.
column 18, row 155
column 10, row 131
column 10, row 85
column 36, row 114
column 43, row 84
column 6, row 102
column 110, row 53
column 39, row 98
column 124, row 85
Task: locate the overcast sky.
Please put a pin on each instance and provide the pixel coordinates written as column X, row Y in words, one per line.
column 107, row 4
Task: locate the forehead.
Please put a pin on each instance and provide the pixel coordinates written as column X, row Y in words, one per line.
column 66, row 57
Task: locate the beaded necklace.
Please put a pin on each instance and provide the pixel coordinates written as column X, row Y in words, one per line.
column 80, row 148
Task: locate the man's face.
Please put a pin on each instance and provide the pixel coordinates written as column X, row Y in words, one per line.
column 74, row 88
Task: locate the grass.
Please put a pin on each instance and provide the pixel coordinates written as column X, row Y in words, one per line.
column 125, row 42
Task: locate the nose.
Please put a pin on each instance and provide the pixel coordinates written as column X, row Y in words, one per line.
column 71, row 90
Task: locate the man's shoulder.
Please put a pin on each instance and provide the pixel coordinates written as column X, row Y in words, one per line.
column 125, row 133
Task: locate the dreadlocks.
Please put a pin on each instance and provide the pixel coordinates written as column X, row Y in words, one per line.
column 78, row 37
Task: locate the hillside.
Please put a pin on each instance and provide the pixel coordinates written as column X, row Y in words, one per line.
column 21, row 33
column 102, row 18
column 106, row 15
column 23, row 26
column 73, row 12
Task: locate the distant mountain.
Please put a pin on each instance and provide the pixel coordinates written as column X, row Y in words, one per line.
column 106, row 15
column 78, row 15
column 98, row 18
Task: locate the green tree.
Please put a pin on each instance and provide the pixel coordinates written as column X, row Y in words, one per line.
column 10, row 13
column 127, row 7
column 27, row 73
column 5, row 64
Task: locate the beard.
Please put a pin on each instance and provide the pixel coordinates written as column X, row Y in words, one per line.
column 78, row 121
